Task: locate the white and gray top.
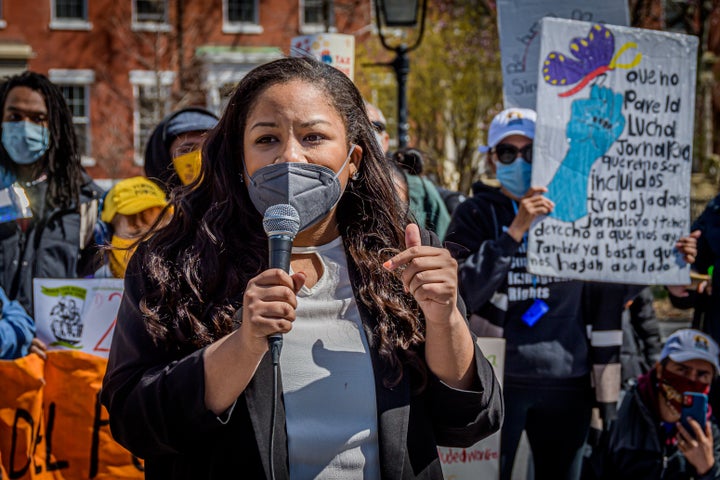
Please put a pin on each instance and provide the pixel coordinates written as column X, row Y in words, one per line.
column 328, row 382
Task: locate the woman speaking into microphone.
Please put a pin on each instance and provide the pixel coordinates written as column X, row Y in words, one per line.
column 378, row 365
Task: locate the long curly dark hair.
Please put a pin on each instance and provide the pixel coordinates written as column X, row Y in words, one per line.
column 61, row 162
column 215, row 243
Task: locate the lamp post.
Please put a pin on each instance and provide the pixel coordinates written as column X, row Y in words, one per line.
column 400, row 13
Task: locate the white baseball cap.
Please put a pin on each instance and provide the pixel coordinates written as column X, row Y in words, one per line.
column 688, row 344
column 512, row 121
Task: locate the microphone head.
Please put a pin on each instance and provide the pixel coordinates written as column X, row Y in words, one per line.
column 281, row 219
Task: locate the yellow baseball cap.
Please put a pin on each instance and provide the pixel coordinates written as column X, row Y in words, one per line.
column 131, row 196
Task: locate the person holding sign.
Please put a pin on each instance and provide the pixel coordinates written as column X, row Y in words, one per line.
column 40, row 150
column 649, row 440
column 378, row 365
column 547, row 387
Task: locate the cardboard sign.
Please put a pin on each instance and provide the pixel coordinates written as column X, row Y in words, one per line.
column 335, row 49
column 613, row 145
column 519, row 28
column 77, row 314
column 482, row 460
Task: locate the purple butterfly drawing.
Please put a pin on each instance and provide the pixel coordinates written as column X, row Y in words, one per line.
column 594, row 56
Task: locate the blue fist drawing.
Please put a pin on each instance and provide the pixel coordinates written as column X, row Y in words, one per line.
column 595, row 123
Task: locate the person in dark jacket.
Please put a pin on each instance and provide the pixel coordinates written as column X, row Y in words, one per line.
column 426, row 204
column 378, row 365
column 173, row 155
column 549, row 358
column 39, row 149
column 647, row 441
column 705, row 299
column 641, row 336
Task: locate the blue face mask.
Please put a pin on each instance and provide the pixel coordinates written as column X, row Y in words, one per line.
column 25, row 142
column 515, row 177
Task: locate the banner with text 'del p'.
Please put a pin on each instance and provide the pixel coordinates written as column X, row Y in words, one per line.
column 613, row 146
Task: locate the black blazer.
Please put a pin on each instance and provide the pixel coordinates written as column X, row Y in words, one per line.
column 157, row 409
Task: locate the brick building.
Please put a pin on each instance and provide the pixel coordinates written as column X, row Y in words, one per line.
column 124, row 64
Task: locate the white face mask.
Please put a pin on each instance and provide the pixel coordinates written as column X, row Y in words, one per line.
column 313, row 190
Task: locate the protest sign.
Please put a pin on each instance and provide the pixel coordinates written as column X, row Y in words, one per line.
column 481, row 460
column 519, row 29
column 613, row 145
column 77, row 314
column 335, row 49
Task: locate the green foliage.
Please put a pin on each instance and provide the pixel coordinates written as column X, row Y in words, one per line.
column 454, row 87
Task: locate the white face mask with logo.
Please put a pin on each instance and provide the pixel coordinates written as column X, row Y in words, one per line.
column 313, row 190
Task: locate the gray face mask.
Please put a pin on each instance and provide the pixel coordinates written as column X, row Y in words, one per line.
column 312, row 189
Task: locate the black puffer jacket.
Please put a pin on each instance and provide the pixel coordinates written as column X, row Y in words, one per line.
column 55, row 243
column 636, row 448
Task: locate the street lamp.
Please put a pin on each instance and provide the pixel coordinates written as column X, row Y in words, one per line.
column 400, row 13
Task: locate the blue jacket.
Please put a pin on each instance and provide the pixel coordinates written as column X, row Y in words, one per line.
column 17, row 329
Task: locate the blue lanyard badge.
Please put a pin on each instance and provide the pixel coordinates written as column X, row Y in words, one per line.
column 535, row 312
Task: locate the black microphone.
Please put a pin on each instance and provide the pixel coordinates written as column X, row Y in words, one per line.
column 281, row 223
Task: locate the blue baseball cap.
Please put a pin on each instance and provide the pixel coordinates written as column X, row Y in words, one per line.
column 512, row 121
column 688, row 344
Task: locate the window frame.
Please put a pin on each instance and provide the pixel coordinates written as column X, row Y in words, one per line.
column 151, row 25
column 68, row 23
column 85, row 79
column 232, row 27
column 147, row 78
column 312, row 28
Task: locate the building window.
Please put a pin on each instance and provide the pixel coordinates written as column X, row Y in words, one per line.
column 313, row 12
column 69, row 15
column 315, row 15
column 241, row 16
column 241, row 11
column 75, row 87
column 74, row 9
column 77, row 99
column 150, row 15
column 152, row 103
column 151, row 11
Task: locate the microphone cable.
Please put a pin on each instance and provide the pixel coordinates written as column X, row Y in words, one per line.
column 281, row 223
column 273, row 419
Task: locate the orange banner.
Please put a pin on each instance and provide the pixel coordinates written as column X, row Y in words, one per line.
column 52, row 425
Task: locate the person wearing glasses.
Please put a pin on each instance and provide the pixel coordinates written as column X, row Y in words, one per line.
column 547, row 387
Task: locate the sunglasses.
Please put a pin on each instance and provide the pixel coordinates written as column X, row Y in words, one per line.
column 507, row 153
column 379, row 126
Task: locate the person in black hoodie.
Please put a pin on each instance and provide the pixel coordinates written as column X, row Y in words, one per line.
column 172, row 156
column 549, row 357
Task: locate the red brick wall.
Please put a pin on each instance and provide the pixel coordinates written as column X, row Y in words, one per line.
column 111, row 49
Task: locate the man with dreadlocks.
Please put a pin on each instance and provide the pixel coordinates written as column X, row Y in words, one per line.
column 39, row 152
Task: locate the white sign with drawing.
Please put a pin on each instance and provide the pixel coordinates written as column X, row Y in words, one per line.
column 613, row 146
column 78, row 313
